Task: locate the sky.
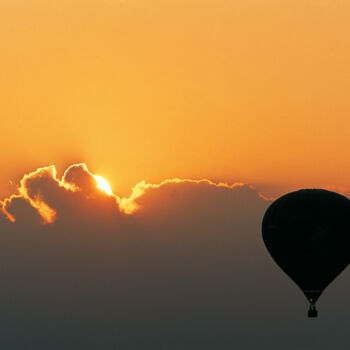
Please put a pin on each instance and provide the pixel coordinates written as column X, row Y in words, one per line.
column 198, row 114
column 251, row 91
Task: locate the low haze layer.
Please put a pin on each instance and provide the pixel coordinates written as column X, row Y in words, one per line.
column 179, row 265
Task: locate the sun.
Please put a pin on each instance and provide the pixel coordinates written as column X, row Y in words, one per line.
column 103, row 185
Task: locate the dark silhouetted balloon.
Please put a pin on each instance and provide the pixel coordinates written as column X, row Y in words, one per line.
column 307, row 233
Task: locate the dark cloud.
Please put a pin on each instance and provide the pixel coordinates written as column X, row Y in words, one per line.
column 180, row 265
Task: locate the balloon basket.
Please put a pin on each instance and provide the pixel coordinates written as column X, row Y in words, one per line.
column 312, row 313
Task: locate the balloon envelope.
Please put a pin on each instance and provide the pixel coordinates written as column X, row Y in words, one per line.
column 307, row 233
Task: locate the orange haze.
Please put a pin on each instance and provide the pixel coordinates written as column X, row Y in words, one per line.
column 253, row 91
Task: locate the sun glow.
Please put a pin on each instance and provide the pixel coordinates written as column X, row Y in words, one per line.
column 103, row 185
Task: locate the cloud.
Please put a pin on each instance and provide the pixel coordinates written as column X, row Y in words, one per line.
column 75, row 195
column 177, row 265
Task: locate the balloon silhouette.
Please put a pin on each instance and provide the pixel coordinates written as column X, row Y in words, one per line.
column 307, row 233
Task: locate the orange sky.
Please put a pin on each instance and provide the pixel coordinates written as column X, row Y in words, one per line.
column 253, row 91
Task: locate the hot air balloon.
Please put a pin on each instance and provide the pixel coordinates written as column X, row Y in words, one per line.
column 307, row 233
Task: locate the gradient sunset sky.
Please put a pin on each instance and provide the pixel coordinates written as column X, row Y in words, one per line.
column 198, row 113
column 252, row 91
